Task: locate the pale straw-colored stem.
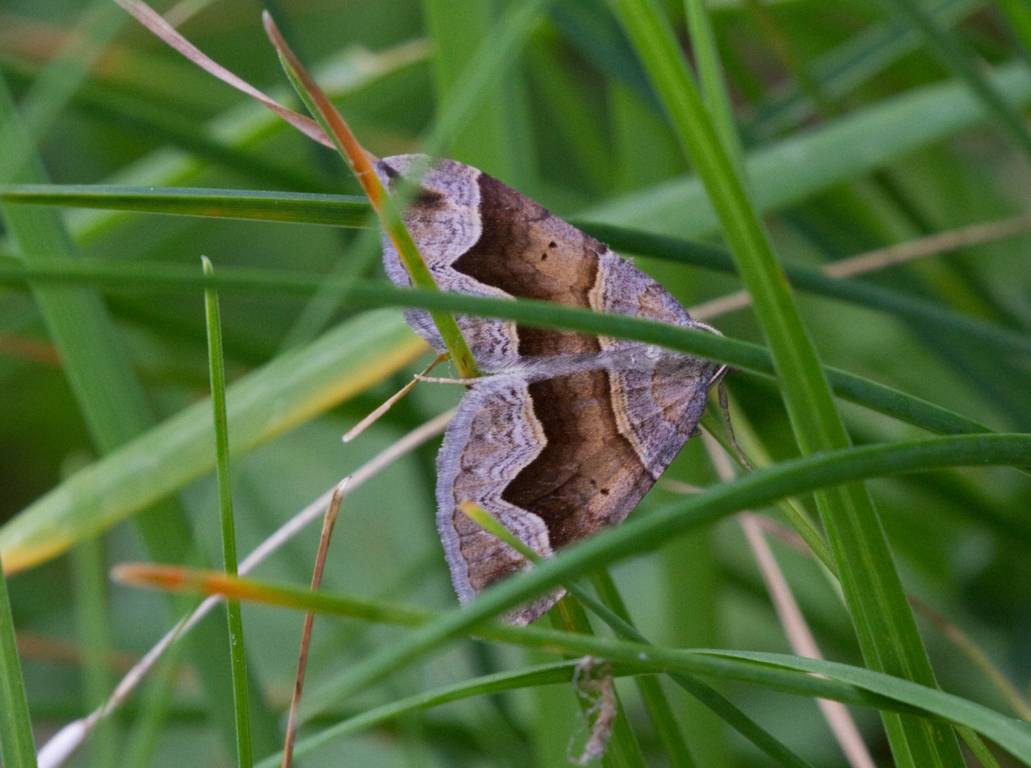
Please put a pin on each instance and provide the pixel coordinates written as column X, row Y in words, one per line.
column 882, row 258
column 387, row 404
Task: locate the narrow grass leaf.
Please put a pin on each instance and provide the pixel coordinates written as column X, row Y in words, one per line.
column 17, row 747
column 286, row 392
column 634, row 537
column 1007, row 731
column 93, row 626
column 740, row 354
column 612, row 610
column 527, row 677
column 850, row 64
column 346, row 210
column 387, row 211
column 111, row 399
column 242, row 204
column 797, row 167
column 955, row 57
column 234, row 620
column 883, row 621
column 710, row 76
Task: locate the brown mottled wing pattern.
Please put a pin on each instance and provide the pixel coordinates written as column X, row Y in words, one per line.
column 572, row 430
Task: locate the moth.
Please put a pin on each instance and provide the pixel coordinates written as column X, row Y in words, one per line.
column 566, row 432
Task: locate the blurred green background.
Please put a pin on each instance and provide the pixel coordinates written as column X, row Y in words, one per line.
column 862, row 137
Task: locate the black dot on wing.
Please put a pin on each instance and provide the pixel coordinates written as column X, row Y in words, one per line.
column 544, row 257
column 604, row 491
column 553, row 244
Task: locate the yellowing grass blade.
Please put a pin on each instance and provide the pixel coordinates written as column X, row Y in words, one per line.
column 285, row 393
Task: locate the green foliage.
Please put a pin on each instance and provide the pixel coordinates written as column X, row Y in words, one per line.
column 846, row 127
column 234, row 618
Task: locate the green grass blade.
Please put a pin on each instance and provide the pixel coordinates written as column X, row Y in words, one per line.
column 529, row 677
column 978, row 748
column 1018, row 15
column 242, row 204
column 486, row 139
column 710, row 76
column 111, row 399
column 956, row 58
column 234, row 620
column 883, row 621
column 554, row 641
column 707, row 695
column 387, row 209
column 795, row 168
column 612, row 610
column 16, row 744
column 1013, row 732
column 345, row 210
column 93, row 622
column 740, row 354
column 655, row 701
column 286, row 392
column 642, row 534
column 57, row 83
column 848, row 66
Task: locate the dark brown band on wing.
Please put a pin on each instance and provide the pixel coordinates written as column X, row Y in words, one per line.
column 521, row 252
column 588, row 474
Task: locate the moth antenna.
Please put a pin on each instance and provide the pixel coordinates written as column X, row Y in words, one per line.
column 724, row 400
column 168, row 34
column 328, row 521
column 387, row 404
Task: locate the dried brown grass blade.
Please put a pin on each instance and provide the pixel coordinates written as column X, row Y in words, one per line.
column 328, row 521
column 160, row 27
